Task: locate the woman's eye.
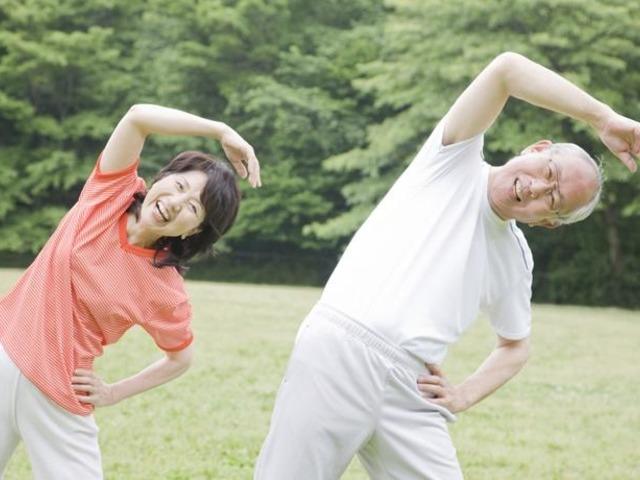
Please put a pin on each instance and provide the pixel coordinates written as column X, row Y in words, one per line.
column 194, row 208
column 180, row 187
column 549, row 173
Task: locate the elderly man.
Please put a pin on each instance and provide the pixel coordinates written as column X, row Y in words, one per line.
column 441, row 246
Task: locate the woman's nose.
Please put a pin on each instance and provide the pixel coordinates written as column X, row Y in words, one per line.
column 174, row 205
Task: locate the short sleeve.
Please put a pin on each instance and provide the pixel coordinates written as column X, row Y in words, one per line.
column 510, row 316
column 436, row 161
column 170, row 328
column 111, row 187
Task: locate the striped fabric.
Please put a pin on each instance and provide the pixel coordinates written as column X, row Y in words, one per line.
column 88, row 286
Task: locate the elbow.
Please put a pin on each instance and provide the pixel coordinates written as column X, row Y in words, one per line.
column 136, row 116
column 507, row 61
column 186, row 361
column 506, row 66
column 133, row 110
column 182, row 360
column 519, row 351
column 524, row 352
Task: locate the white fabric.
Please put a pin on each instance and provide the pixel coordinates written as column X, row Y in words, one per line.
column 347, row 391
column 432, row 254
column 60, row 445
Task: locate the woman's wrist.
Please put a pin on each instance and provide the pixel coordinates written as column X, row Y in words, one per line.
column 219, row 129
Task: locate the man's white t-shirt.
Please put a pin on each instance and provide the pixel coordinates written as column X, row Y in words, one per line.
column 433, row 254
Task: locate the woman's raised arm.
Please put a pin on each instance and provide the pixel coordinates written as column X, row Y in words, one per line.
column 126, row 141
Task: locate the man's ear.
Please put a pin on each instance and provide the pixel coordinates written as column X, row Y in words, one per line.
column 539, row 146
column 550, row 224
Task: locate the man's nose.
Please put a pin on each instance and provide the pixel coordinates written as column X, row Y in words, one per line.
column 540, row 187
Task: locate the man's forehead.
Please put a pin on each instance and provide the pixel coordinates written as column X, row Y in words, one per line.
column 577, row 180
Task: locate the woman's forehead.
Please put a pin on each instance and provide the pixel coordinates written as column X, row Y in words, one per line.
column 193, row 177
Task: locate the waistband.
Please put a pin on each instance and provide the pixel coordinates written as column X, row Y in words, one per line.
column 378, row 343
column 370, row 338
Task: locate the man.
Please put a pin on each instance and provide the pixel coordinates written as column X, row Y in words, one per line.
column 442, row 245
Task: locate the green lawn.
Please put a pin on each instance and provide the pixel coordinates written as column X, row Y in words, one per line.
column 573, row 413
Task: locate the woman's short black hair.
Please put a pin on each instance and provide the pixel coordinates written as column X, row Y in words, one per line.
column 220, row 198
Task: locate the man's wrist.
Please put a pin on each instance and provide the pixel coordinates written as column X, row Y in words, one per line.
column 600, row 116
column 464, row 400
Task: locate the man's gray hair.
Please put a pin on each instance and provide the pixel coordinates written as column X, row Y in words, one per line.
column 585, row 210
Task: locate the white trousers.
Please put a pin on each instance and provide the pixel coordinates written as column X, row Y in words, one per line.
column 61, row 445
column 347, row 391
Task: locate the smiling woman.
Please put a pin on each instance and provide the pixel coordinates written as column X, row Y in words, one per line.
column 191, row 203
column 100, row 273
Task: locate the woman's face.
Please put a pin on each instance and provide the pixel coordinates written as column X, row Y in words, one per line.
column 172, row 206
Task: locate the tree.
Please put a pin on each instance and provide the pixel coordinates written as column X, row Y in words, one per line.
column 431, row 52
column 60, row 77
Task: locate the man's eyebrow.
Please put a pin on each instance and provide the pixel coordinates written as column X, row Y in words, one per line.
column 558, row 172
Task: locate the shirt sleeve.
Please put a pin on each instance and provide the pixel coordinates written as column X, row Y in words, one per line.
column 170, row 328
column 111, row 188
column 435, row 160
column 510, row 315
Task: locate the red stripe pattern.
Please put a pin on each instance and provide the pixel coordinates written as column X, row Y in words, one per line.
column 86, row 288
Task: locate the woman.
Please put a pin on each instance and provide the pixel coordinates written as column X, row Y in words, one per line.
column 114, row 261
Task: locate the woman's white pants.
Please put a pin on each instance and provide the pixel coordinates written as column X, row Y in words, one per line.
column 60, row 445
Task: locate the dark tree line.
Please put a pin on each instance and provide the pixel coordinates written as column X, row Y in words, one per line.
column 336, row 97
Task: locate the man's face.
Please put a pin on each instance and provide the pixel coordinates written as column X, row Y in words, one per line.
column 536, row 186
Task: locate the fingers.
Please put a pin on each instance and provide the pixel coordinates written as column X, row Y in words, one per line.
column 85, row 392
column 254, row 170
column 434, row 369
column 636, row 141
column 238, row 166
column 92, row 399
column 431, row 386
column 628, row 160
column 86, row 388
column 430, row 379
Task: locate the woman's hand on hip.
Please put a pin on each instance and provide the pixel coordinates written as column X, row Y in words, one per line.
column 90, row 388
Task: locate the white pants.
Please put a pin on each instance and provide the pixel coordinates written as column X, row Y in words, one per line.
column 61, row 445
column 347, row 391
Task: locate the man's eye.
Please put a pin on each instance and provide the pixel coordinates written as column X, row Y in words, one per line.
column 180, row 186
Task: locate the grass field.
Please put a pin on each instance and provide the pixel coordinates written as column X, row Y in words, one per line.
column 573, row 413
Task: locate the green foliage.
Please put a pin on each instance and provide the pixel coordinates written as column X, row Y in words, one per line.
column 336, row 96
column 58, row 63
column 431, row 52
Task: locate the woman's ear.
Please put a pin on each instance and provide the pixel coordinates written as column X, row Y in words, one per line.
column 191, row 232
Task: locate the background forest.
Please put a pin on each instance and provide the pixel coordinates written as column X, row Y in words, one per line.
column 336, row 96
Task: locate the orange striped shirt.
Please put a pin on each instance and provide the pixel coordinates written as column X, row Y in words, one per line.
column 86, row 287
